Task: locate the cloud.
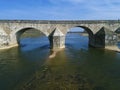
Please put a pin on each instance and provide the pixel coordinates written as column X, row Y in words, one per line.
column 64, row 9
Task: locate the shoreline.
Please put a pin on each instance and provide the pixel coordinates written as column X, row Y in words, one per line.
column 113, row 48
column 8, row 47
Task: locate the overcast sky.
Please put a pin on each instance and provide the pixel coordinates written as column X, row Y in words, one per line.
column 60, row 9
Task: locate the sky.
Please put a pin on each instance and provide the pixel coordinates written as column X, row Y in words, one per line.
column 60, row 9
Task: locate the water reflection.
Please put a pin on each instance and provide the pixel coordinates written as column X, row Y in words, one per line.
column 74, row 40
column 28, row 44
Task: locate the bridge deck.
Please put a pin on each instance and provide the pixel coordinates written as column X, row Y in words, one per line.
column 61, row 21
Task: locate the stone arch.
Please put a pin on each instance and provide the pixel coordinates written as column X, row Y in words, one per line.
column 88, row 30
column 17, row 29
column 18, row 33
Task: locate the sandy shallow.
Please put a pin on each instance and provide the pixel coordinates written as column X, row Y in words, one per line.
column 54, row 52
column 8, row 47
column 113, row 48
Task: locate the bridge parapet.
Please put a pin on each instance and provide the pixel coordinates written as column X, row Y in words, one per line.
column 62, row 21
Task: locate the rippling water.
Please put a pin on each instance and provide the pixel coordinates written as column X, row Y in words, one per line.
column 76, row 67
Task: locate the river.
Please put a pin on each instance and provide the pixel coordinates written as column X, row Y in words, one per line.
column 77, row 67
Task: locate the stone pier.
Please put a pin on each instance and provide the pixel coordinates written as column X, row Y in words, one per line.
column 57, row 39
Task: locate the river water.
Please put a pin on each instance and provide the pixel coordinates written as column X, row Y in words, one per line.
column 77, row 67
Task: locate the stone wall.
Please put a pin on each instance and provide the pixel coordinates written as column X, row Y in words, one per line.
column 4, row 39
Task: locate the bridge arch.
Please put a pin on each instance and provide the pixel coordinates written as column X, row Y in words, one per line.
column 21, row 31
column 86, row 29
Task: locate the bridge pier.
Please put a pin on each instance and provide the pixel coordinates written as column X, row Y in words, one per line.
column 57, row 39
column 104, row 38
column 97, row 40
column 111, row 40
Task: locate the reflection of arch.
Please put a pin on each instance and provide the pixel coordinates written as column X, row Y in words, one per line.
column 20, row 32
column 89, row 31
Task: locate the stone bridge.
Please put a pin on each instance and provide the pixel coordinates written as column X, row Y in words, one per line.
column 102, row 33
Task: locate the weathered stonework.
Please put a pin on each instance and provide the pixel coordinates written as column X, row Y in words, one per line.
column 57, row 39
column 4, row 38
column 102, row 33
